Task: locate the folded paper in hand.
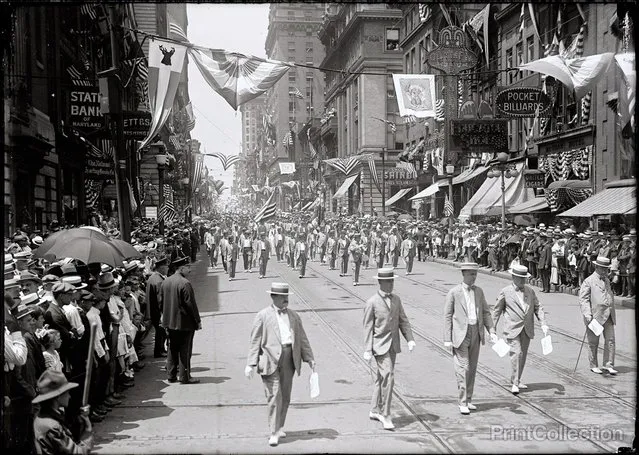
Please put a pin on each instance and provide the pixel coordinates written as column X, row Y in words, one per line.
column 595, row 327
column 546, row 345
column 501, row 347
column 315, row 389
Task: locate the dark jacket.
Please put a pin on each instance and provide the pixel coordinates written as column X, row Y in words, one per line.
column 154, row 296
column 545, row 256
column 179, row 309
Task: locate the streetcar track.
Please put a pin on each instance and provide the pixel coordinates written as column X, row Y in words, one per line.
column 494, row 377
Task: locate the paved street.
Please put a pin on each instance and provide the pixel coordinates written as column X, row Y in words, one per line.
column 560, row 411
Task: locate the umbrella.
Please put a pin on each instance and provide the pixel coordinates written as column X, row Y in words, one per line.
column 515, row 238
column 88, row 247
column 126, row 249
column 405, row 216
column 93, row 228
column 391, row 213
column 66, row 234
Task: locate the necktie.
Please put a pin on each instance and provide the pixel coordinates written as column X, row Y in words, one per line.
column 469, row 288
column 282, row 311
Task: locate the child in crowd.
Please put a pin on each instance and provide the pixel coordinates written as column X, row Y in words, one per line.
column 51, row 341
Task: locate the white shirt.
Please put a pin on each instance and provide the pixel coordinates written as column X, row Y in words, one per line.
column 386, row 298
column 284, row 324
column 15, row 349
column 262, row 245
column 73, row 315
column 93, row 315
column 520, row 295
column 470, row 304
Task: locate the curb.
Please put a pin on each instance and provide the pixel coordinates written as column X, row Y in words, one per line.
column 621, row 301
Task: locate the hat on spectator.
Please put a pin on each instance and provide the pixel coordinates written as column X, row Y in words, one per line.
column 279, row 289
column 542, row 226
column 23, row 256
column 75, row 281
column 633, row 232
column 30, row 299
column 105, row 268
column 469, row 266
column 28, row 276
column 602, row 261
column 385, row 274
column 62, row 288
column 52, row 384
column 86, row 295
column 519, row 270
column 107, row 281
column 179, row 262
column 22, row 310
column 626, row 238
column 69, row 269
column 11, row 283
column 164, row 260
column 37, row 240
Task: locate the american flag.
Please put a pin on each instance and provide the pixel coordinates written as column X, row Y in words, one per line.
column 132, row 201
column 77, row 78
column 310, row 145
column 89, row 10
column 521, row 21
column 175, row 141
column 167, row 211
column 92, row 191
column 346, row 165
column 372, row 169
column 409, row 120
column 424, row 12
column 238, row 78
column 409, row 168
column 227, row 161
column 198, row 165
column 268, row 210
column 392, row 125
column 191, row 117
column 288, row 139
column 176, row 32
column 297, row 94
column 449, row 208
column 440, row 111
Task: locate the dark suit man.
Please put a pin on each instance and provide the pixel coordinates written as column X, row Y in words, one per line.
column 300, row 254
column 278, row 346
column 181, row 318
column 154, row 297
column 342, row 251
column 355, row 248
column 519, row 304
column 232, row 253
column 466, row 314
column 384, row 318
column 54, row 316
column 545, row 262
column 263, row 253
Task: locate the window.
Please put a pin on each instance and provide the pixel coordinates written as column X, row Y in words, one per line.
column 407, row 63
column 38, row 36
column 309, row 33
column 530, row 49
column 291, row 106
column 412, row 61
column 392, row 39
column 427, row 42
column 509, row 64
column 520, row 54
column 291, row 13
column 309, row 47
column 291, row 77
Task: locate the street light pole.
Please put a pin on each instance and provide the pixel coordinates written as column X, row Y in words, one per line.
column 383, row 181
column 504, row 170
column 161, row 161
column 503, row 199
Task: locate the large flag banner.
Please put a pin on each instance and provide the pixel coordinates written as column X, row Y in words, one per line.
column 626, row 63
column 480, row 22
column 449, row 208
column 345, row 165
column 166, row 60
column 167, row 211
column 198, row 165
column 287, row 168
column 415, row 94
column 238, row 78
column 268, row 210
column 227, row 161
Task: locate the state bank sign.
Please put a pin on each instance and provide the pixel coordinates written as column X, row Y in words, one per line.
column 84, row 108
column 521, row 102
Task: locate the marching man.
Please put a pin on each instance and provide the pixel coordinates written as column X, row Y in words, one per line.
column 465, row 315
column 409, row 250
column 519, row 304
column 384, row 318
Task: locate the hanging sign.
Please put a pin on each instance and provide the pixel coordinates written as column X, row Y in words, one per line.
column 478, row 136
column 99, row 168
column 84, row 108
column 534, row 179
column 136, row 124
column 518, row 102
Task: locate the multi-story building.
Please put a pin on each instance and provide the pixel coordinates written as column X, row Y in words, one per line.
column 298, row 95
column 245, row 172
column 360, row 38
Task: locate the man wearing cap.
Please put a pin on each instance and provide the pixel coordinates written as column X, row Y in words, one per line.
column 545, row 261
column 519, row 304
column 384, row 318
column 57, row 319
column 278, row 346
column 466, row 314
column 181, row 318
column 598, row 302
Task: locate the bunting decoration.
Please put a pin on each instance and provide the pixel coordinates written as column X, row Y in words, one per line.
column 585, row 108
column 449, row 208
column 345, row 165
column 439, row 111
column 238, row 78
column 167, row 211
column 166, row 61
column 424, row 12
column 573, row 163
column 268, row 210
column 480, row 23
column 227, row 161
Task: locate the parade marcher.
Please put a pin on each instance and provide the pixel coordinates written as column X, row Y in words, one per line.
column 331, row 250
column 52, row 435
column 232, row 253
column 356, row 250
column 291, row 249
column 519, row 304
column 466, row 314
column 393, row 247
column 321, row 244
column 545, row 261
column 409, row 251
column 247, row 250
column 181, row 318
column 598, row 302
column 342, row 252
column 384, row 318
column 209, row 243
column 300, row 255
column 278, row 346
column 154, row 299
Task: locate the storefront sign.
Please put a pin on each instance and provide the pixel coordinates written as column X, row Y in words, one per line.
column 534, row 179
column 99, row 168
column 398, row 177
column 517, row 102
column 84, row 108
column 478, row 136
column 151, row 212
column 136, row 124
column 561, row 142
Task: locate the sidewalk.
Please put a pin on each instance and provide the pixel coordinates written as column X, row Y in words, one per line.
column 622, row 301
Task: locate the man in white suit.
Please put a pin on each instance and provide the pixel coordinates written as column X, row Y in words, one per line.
column 278, row 346
column 519, row 304
column 466, row 313
column 384, row 318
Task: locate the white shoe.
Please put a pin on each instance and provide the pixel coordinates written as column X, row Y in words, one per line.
column 281, row 433
column 230, row 279
column 273, row 440
column 374, row 416
column 611, row 370
column 515, row 389
column 472, row 407
column 388, row 423
column 522, row 386
column 596, row 370
column 464, row 410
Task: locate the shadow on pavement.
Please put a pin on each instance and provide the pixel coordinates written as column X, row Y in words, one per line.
column 212, row 379
column 545, row 386
column 199, row 369
column 307, row 435
column 405, row 420
column 512, row 407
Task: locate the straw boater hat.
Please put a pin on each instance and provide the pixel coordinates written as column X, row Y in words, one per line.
column 52, row 384
column 279, row 289
column 519, row 270
column 602, row 261
column 75, row 281
column 30, row 299
column 469, row 266
column 385, row 274
column 22, row 310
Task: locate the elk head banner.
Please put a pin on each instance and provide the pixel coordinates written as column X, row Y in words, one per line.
column 415, row 94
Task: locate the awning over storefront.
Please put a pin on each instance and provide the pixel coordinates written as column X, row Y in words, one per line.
column 469, row 175
column 611, row 201
column 341, row 192
column 434, row 188
column 397, row 196
column 539, row 204
column 489, row 195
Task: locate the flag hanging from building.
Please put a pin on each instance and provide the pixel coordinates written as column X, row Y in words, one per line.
column 77, row 78
column 424, row 12
column 392, row 125
column 287, row 141
column 176, row 32
column 268, row 210
column 198, row 165
column 92, row 192
column 345, row 165
column 297, row 94
column 134, row 204
column 449, row 208
column 408, row 167
column 522, row 22
column 440, row 112
column 238, row 78
column 370, row 158
column 167, row 210
column 627, row 90
column 190, row 123
column 415, row 94
column 227, row 161
column 166, row 60
column 89, row 10
column 478, row 23
column 310, row 145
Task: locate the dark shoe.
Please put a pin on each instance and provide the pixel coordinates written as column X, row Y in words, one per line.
column 159, row 356
column 172, row 380
column 94, row 418
column 141, row 356
column 190, row 381
column 111, row 402
column 100, row 412
column 118, row 395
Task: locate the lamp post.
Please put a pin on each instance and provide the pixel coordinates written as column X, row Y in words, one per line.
column 506, row 170
column 162, row 161
column 450, row 170
column 383, row 182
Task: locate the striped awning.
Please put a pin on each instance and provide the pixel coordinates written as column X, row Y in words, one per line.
column 539, row 204
column 341, row 192
column 434, row 188
column 611, row 201
column 397, row 196
column 465, row 177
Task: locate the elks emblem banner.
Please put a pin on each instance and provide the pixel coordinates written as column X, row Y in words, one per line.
column 166, row 61
column 415, row 94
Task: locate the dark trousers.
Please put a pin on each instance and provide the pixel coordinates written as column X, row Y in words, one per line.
column 180, row 346
column 213, row 256
column 224, row 263
column 99, row 382
column 532, row 268
column 395, row 256
column 302, row 261
column 332, row 261
column 322, row 253
column 263, row 262
column 245, row 255
column 278, row 252
column 358, row 265
column 380, row 260
column 344, row 266
column 409, row 263
column 232, row 264
column 159, row 339
column 421, row 255
column 113, row 352
column 545, row 278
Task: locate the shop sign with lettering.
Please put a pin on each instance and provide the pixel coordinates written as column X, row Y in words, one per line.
column 518, row 102
column 136, row 124
column 398, row 177
column 534, row 179
column 84, row 108
column 478, row 136
column 562, row 142
column 99, row 168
